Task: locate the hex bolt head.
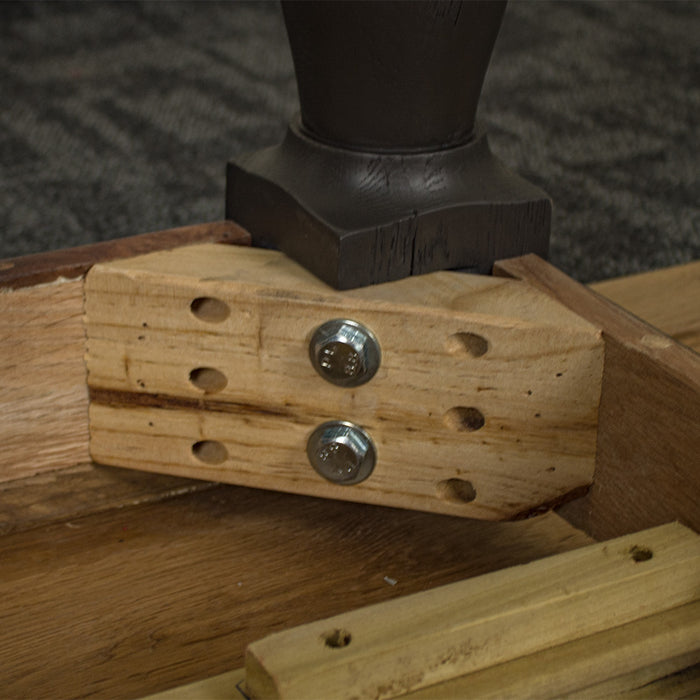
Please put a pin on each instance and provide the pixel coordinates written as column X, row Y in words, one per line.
column 344, row 352
column 341, row 452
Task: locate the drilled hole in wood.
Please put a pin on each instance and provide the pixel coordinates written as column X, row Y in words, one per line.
column 467, row 343
column 456, row 490
column 210, row 310
column 337, row 638
column 208, row 379
column 210, row 451
column 464, row 418
column 641, row 553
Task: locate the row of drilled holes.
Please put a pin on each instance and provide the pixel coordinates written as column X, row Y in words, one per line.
column 454, row 490
column 461, row 418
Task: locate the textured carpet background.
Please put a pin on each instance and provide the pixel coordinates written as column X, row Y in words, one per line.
column 118, row 118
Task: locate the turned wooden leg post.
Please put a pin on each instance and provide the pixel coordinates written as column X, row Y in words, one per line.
column 385, row 173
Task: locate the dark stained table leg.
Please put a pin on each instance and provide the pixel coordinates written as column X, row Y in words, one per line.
column 385, row 172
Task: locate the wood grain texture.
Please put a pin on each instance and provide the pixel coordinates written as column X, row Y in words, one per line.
column 614, row 663
column 647, row 658
column 43, row 385
column 43, row 391
column 62, row 495
column 535, row 387
column 668, row 299
column 647, row 464
column 152, row 596
column 30, row 270
column 387, row 650
column 673, row 679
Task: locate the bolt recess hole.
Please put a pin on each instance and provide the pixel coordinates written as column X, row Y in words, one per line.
column 210, row 310
column 210, row 451
column 464, row 418
column 208, row 379
column 456, row 491
column 641, row 553
column 337, row 639
column 469, row 343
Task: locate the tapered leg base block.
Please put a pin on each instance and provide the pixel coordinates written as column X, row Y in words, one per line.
column 355, row 218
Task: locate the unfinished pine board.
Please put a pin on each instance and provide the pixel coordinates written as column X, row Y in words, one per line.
column 648, row 464
column 535, row 388
column 135, row 600
column 668, row 299
column 43, row 391
column 618, row 660
column 615, row 662
column 387, row 650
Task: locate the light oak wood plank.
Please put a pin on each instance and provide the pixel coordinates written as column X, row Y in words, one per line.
column 387, row 650
column 668, row 299
column 649, row 422
column 616, row 661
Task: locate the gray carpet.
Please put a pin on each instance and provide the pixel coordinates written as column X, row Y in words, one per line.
column 118, row 118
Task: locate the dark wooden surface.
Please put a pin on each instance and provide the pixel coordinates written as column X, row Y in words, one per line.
column 384, row 174
column 648, row 455
column 73, row 262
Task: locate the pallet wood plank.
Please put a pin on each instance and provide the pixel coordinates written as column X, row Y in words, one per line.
column 613, row 663
column 649, row 422
column 417, row 641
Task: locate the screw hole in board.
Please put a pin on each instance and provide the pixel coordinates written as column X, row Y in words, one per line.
column 464, row 418
column 208, row 379
column 639, row 554
column 210, row 309
column 467, row 344
column 456, row 491
column 210, row 451
column 337, row 638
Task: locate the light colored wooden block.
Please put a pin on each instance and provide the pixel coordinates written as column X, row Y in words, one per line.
column 646, row 659
column 418, row 641
column 177, row 389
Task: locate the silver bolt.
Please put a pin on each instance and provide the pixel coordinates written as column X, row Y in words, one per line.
column 345, row 352
column 341, row 452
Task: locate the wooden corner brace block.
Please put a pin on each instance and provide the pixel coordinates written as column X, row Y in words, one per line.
column 484, row 405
